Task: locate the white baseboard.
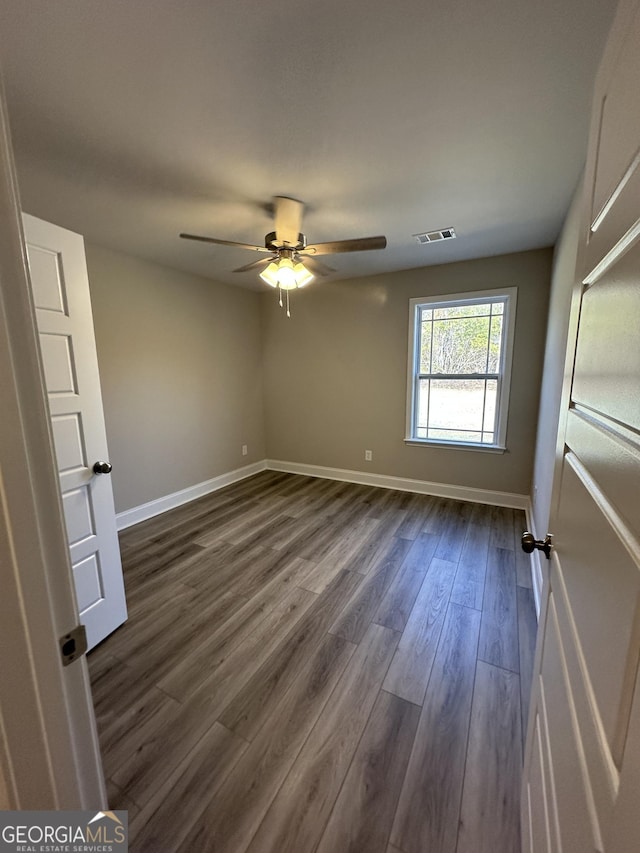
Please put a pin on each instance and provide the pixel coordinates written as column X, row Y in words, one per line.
column 404, row 484
column 148, row 510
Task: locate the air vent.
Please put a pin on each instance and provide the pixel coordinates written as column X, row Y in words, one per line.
column 435, row 236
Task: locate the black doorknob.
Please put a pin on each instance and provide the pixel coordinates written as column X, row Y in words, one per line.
column 530, row 543
column 102, row 468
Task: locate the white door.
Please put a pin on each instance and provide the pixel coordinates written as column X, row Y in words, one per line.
column 49, row 752
column 582, row 765
column 60, row 288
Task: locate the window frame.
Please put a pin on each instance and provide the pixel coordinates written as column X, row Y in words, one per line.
column 508, row 295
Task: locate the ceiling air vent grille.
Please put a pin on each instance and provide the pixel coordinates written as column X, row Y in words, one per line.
column 435, row 236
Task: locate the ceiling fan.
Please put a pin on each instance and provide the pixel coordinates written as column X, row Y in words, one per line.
column 292, row 262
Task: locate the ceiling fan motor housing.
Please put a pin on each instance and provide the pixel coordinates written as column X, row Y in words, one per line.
column 271, row 242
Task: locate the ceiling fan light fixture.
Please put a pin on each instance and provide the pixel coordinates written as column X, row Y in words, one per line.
column 302, row 274
column 286, row 274
column 270, row 274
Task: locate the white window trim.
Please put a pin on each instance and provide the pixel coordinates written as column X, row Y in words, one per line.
column 509, row 294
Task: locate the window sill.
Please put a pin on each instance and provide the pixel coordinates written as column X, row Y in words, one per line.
column 455, row 445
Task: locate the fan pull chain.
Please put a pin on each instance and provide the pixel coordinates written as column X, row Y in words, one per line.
column 280, row 302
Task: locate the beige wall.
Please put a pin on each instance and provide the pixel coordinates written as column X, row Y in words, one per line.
column 4, row 793
column 335, row 373
column 180, row 370
column 182, row 358
column 564, row 264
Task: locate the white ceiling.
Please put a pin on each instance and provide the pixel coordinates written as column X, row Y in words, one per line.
column 134, row 120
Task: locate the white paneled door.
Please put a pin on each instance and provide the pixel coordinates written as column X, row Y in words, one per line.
column 65, row 324
column 582, row 766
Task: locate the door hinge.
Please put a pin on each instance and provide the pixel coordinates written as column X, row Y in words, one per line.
column 73, row 645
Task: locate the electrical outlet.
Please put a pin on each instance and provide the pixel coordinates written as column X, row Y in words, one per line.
column 244, row 450
column 368, row 455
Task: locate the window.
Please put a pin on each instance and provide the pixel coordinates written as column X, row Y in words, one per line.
column 459, row 368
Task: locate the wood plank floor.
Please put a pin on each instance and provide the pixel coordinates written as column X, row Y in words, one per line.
column 312, row 665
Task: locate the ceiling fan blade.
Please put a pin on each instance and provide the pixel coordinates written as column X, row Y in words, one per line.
column 254, row 265
column 287, row 215
column 360, row 244
column 314, row 265
column 225, row 243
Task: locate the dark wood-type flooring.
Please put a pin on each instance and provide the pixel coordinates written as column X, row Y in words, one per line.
column 312, row 665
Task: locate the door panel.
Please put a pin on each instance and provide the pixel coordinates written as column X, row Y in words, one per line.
column 77, row 513
column 87, row 575
column 579, row 830
column 612, row 458
column 67, row 438
column 618, row 154
column 46, row 280
column 589, row 649
column 592, row 742
column 602, row 585
column 63, row 308
column 614, row 232
column 539, row 828
column 58, row 364
column 607, row 362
